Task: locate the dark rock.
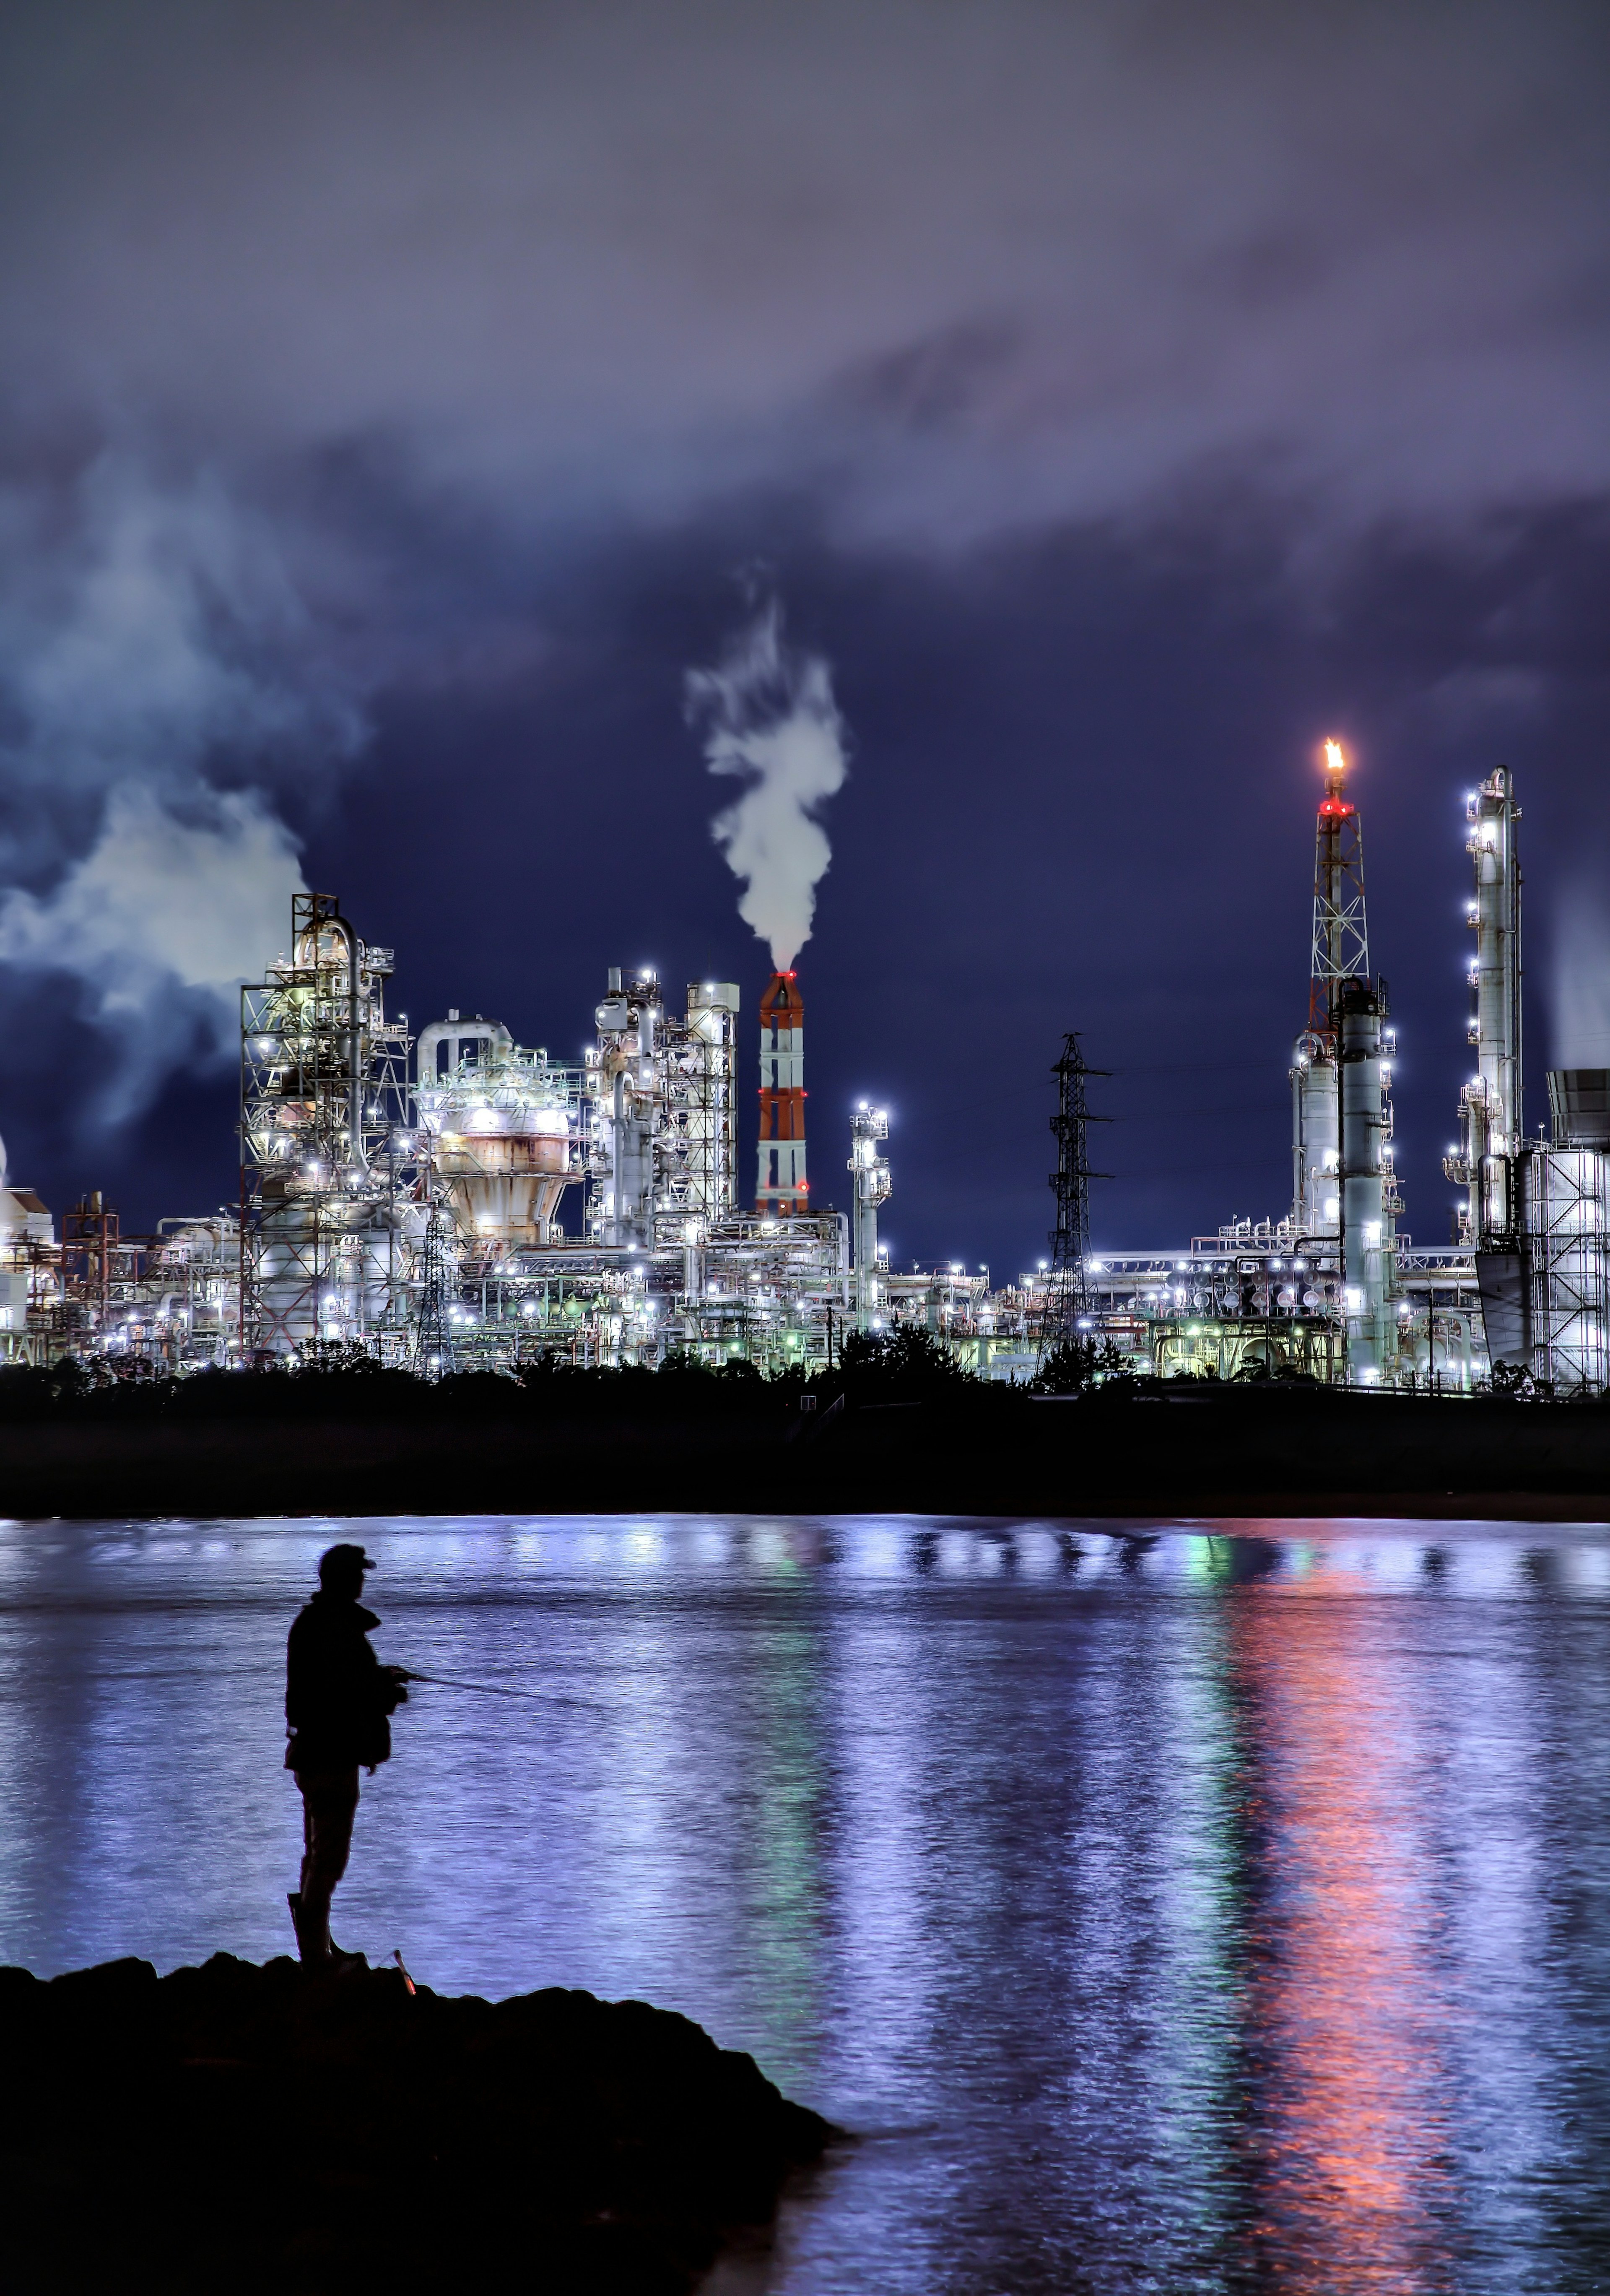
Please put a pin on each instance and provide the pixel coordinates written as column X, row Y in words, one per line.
column 244, row 2128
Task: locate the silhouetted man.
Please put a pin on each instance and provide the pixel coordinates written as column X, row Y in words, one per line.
column 339, row 1700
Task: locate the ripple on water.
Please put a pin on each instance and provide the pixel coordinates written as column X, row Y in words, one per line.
column 1194, row 1906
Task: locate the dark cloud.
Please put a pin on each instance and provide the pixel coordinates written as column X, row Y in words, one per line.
column 622, row 252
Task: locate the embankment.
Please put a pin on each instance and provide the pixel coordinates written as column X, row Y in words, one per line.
column 1175, row 1448
column 244, row 2128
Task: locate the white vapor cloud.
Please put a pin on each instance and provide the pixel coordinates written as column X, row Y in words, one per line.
column 771, row 719
column 154, row 650
column 160, row 921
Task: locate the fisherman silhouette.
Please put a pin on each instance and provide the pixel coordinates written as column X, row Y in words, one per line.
column 339, row 1700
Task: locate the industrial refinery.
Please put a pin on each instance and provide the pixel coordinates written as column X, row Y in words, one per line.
column 451, row 1200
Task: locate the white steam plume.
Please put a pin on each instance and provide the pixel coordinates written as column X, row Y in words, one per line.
column 770, row 718
column 161, row 921
column 153, row 648
column 1581, row 981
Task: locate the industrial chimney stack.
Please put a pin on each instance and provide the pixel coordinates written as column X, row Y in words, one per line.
column 780, row 1186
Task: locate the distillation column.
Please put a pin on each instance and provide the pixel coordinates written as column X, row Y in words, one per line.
column 1366, row 1245
column 781, row 1186
column 1316, row 1149
column 1491, row 1114
column 869, row 1177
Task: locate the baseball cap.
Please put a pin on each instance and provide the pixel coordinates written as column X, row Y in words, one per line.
column 336, row 1561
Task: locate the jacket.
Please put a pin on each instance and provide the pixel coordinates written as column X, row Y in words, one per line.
column 338, row 1695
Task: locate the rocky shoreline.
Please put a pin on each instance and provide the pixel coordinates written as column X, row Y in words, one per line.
column 245, row 2128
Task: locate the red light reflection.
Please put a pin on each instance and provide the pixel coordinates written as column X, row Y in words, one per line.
column 1341, row 2000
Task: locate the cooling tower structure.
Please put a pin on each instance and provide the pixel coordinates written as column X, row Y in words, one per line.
column 781, row 1186
column 326, row 1153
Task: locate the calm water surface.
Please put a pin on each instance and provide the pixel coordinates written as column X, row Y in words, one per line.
column 1223, row 1909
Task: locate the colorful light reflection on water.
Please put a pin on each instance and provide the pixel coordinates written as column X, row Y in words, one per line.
column 1220, row 1908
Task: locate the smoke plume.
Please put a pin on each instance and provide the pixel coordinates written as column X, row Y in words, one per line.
column 769, row 718
column 161, row 673
column 161, row 921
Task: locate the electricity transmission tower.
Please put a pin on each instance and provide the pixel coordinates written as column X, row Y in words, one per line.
column 1068, row 1282
column 433, row 1341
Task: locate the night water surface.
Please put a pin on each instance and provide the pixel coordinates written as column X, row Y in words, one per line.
column 1220, row 1909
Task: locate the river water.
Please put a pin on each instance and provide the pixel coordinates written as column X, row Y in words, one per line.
column 1222, row 1908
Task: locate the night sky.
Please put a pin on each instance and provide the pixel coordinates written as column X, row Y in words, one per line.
column 396, row 403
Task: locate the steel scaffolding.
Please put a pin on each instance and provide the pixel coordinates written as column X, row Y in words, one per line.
column 1566, row 1252
column 1067, row 1290
column 330, row 1180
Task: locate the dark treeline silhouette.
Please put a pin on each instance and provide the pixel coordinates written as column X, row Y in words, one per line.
column 903, row 1366
column 870, row 1371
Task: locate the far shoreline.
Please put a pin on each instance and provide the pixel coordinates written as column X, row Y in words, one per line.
column 1234, row 1454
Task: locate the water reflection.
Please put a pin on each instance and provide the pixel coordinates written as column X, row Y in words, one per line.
column 1347, row 2147
column 1214, row 1907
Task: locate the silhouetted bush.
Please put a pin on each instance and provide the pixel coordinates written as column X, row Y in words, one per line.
column 345, row 1383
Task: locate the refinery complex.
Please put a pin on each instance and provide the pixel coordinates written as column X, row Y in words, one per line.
column 450, row 1199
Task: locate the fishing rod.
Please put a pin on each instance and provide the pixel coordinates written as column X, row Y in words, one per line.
column 501, row 1690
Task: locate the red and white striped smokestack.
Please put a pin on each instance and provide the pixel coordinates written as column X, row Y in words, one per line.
column 780, row 1185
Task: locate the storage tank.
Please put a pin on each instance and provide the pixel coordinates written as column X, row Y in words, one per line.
column 501, row 1129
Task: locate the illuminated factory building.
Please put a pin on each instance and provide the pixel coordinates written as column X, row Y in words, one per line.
column 453, row 1198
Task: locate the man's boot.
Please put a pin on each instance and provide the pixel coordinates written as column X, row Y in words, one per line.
column 315, row 1951
column 332, row 1957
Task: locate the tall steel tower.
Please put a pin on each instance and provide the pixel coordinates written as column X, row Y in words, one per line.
column 1491, row 1117
column 1344, row 1189
column 1068, row 1297
column 1339, row 952
column 870, row 1180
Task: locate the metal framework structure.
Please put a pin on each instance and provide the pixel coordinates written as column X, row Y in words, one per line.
column 1341, row 934
column 1568, row 1309
column 660, row 1119
column 328, row 1167
column 1339, row 952
column 1067, row 1287
column 94, row 1255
